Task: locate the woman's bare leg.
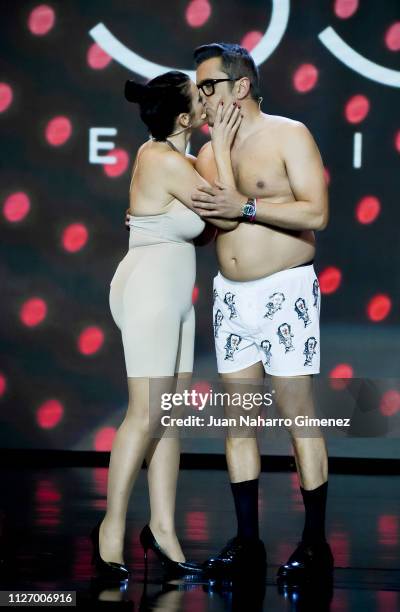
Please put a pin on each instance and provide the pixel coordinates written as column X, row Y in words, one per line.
column 162, row 472
column 128, row 451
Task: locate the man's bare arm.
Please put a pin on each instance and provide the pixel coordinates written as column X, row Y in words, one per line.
column 305, row 172
column 306, row 176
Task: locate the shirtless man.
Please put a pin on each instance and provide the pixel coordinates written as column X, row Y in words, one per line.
column 268, row 283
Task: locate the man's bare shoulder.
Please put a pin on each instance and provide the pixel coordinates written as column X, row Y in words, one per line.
column 281, row 124
column 280, row 132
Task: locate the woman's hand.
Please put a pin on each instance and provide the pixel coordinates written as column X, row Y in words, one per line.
column 225, row 127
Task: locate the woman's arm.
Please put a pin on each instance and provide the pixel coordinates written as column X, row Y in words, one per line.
column 183, row 179
column 214, row 159
column 207, row 168
column 224, row 130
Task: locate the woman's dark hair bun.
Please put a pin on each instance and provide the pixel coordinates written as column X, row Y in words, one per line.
column 135, row 92
column 161, row 101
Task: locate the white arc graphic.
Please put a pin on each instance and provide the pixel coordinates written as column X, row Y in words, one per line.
column 145, row 68
column 348, row 56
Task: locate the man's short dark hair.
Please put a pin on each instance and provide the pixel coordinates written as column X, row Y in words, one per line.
column 236, row 61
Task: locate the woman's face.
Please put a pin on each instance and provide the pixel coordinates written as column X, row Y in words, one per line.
column 198, row 112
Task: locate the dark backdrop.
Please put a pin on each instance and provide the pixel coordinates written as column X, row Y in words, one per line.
column 62, row 376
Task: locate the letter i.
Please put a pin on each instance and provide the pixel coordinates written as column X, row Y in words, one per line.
column 357, row 150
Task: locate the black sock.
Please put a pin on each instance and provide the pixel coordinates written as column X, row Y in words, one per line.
column 245, row 495
column 315, row 505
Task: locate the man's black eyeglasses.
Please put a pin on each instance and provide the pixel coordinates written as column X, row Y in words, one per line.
column 208, row 85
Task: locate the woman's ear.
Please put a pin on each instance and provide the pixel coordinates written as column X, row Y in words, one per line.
column 243, row 88
column 184, row 119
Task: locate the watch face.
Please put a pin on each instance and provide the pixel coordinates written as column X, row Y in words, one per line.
column 248, row 209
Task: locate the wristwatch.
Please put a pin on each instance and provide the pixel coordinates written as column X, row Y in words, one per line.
column 249, row 209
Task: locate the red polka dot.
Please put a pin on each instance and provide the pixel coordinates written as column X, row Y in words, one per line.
column 392, row 37
column 327, row 176
column 49, row 413
column 114, row 170
column 3, row 384
column 6, row 96
column 397, row 141
column 90, row 340
column 345, row 8
column 97, row 58
column 58, row 130
column 357, row 108
column 197, row 13
column 341, row 370
column 251, row 40
column 195, row 295
column 41, row 20
column 340, row 375
column 390, row 402
column 330, row 279
column 305, row 78
column 16, row 206
column 205, row 129
column 368, row 209
column 74, row 237
column 33, row 311
column 201, row 386
column 379, row 307
column 104, row 438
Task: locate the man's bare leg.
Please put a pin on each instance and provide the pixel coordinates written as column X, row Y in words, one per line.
column 242, row 454
column 243, row 459
column 294, row 396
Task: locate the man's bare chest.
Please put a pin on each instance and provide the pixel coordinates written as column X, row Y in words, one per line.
column 260, row 173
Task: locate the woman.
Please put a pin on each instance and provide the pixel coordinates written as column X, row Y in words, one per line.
column 151, row 302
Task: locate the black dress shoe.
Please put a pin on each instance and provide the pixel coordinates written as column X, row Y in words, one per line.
column 172, row 568
column 237, row 555
column 307, row 563
column 109, row 571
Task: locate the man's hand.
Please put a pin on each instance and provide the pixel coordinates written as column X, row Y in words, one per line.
column 127, row 215
column 218, row 201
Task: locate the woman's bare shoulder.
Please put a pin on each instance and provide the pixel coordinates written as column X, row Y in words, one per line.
column 191, row 158
column 154, row 153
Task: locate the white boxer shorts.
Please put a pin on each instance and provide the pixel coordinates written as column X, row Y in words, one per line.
column 274, row 319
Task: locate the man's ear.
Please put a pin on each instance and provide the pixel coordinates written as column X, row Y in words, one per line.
column 243, row 88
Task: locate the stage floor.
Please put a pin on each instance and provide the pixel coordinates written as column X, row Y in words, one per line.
column 46, row 515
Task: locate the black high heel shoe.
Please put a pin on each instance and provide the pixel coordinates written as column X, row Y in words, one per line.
column 108, row 570
column 172, row 568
